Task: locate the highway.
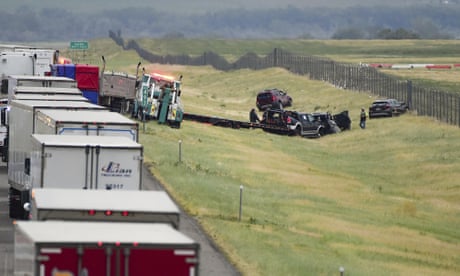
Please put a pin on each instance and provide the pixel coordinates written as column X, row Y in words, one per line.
column 212, row 261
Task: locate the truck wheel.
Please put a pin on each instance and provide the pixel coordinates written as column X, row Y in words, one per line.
column 298, row 131
column 321, row 132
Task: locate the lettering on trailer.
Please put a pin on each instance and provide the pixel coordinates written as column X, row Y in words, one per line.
column 115, row 169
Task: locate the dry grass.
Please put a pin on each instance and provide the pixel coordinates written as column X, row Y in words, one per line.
column 379, row 201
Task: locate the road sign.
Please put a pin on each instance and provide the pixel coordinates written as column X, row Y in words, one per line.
column 79, row 45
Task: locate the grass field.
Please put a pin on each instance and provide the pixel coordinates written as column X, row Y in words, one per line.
column 379, row 201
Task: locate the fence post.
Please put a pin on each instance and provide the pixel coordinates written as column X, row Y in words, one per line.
column 409, row 94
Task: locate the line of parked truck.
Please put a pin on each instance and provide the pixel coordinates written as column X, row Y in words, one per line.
column 76, row 191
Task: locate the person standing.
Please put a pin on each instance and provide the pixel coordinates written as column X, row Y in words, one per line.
column 362, row 118
column 253, row 118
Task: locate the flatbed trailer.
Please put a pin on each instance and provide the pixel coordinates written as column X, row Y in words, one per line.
column 230, row 123
column 342, row 119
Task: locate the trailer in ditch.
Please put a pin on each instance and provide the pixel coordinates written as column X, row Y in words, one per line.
column 49, row 248
column 104, row 205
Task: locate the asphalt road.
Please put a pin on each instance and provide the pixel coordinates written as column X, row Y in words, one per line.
column 212, row 261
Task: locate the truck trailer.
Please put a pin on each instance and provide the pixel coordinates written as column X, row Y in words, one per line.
column 17, row 150
column 25, row 60
column 85, row 162
column 103, row 205
column 87, row 122
column 50, row 248
column 15, row 81
column 118, row 90
column 31, row 92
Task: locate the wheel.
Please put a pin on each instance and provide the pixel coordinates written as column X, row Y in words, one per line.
column 321, row 132
column 298, row 131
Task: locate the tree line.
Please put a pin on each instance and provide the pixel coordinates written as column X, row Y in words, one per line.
column 407, row 22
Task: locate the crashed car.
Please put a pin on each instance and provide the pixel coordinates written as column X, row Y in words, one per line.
column 326, row 119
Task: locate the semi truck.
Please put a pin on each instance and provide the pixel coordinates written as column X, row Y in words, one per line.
column 17, row 150
column 104, row 205
column 70, row 248
column 158, row 98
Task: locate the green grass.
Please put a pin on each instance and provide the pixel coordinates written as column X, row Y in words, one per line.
column 379, row 201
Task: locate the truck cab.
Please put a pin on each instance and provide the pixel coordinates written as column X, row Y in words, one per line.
column 158, row 98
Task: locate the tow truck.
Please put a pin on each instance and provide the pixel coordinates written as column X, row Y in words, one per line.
column 158, row 98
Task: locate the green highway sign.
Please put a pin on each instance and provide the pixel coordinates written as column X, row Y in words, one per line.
column 79, row 45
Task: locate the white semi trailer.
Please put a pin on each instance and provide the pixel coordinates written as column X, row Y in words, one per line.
column 18, row 81
column 85, row 162
column 25, row 60
column 104, row 205
column 17, row 150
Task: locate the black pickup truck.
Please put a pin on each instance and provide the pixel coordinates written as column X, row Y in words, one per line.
column 387, row 108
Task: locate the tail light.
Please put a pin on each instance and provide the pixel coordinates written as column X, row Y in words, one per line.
column 273, row 98
column 288, row 120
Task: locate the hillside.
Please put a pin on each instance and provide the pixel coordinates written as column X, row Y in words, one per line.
column 380, row 201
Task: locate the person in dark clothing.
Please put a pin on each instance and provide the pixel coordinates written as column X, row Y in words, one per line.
column 253, row 118
column 362, row 119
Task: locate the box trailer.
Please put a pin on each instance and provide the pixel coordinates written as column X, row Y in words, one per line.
column 24, row 60
column 21, row 118
column 51, row 97
column 87, row 122
column 33, row 90
column 50, row 248
column 104, row 205
column 85, row 162
column 15, row 81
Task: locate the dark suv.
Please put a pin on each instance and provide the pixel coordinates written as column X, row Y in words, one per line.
column 387, row 108
column 292, row 123
column 272, row 98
